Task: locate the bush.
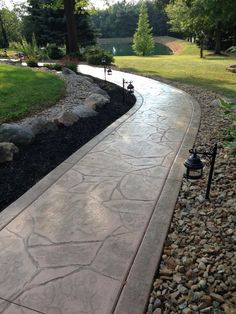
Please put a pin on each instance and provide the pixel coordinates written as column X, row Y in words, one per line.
column 30, row 50
column 71, row 66
column 54, row 52
column 32, row 63
column 55, row 66
column 95, row 55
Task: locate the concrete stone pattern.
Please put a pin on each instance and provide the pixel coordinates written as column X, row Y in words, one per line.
column 71, row 250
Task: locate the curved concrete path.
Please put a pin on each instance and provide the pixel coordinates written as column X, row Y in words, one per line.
column 88, row 237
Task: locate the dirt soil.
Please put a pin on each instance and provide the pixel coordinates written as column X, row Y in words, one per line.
column 36, row 160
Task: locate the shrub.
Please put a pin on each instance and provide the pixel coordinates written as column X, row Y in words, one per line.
column 28, row 49
column 94, row 55
column 31, row 62
column 54, row 52
column 71, row 66
column 54, row 66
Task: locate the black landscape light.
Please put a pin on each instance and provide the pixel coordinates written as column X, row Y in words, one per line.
column 130, row 88
column 194, row 166
column 107, row 69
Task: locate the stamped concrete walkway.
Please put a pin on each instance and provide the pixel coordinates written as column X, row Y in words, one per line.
column 88, row 237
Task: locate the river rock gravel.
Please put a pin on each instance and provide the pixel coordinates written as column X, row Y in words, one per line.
column 198, row 266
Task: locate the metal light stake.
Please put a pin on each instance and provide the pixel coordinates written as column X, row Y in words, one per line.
column 107, row 69
column 194, row 166
column 130, row 88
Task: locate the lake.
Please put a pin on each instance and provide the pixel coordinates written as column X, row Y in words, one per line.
column 125, row 49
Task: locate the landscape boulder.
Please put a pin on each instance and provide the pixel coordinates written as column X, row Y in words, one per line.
column 97, row 90
column 67, row 118
column 96, row 100
column 83, row 77
column 84, row 111
column 42, row 126
column 217, row 102
column 17, row 134
column 7, row 151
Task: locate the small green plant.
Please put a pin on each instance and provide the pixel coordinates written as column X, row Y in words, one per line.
column 94, row 56
column 71, row 66
column 226, row 104
column 54, row 66
column 54, row 52
column 30, row 50
column 31, row 62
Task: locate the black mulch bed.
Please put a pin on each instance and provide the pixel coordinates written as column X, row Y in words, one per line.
column 36, row 160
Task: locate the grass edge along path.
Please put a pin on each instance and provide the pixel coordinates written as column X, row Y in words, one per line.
column 24, row 91
column 186, row 67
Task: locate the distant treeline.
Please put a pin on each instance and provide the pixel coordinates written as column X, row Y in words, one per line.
column 120, row 19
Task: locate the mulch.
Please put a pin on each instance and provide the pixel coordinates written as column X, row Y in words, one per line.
column 36, row 160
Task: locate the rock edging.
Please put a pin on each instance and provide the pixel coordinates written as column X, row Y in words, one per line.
column 83, row 96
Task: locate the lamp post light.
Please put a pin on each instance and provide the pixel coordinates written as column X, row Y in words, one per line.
column 107, row 69
column 194, row 166
column 130, row 88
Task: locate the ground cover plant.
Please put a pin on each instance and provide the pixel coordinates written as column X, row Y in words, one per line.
column 24, row 91
column 186, row 67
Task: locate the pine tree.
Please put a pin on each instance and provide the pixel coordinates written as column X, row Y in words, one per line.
column 49, row 25
column 143, row 42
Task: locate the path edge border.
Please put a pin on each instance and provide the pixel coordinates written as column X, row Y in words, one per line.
column 136, row 290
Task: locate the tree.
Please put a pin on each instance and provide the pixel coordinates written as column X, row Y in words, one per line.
column 69, row 7
column 143, row 42
column 10, row 27
column 202, row 18
column 121, row 18
column 49, row 25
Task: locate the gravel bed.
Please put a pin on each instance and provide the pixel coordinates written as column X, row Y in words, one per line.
column 198, row 265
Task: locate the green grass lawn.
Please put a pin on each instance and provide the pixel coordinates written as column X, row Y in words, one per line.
column 24, row 91
column 187, row 67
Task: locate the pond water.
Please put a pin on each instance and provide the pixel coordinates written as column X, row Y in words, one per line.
column 125, row 49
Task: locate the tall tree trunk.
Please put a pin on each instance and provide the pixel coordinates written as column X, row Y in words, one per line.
column 5, row 42
column 69, row 6
column 218, row 39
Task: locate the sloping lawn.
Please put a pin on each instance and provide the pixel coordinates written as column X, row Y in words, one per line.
column 187, row 67
column 24, row 91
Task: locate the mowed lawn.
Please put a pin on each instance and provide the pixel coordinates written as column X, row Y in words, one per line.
column 25, row 90
column 187, row 67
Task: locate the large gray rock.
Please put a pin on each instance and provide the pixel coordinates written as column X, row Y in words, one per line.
column 96, row 100
column 217, row 102
column 84, row 111
column 67, row 118
column 7, row 151
column 16, row 134
column 97, row 90
column 83, row 77
column 42, row 125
